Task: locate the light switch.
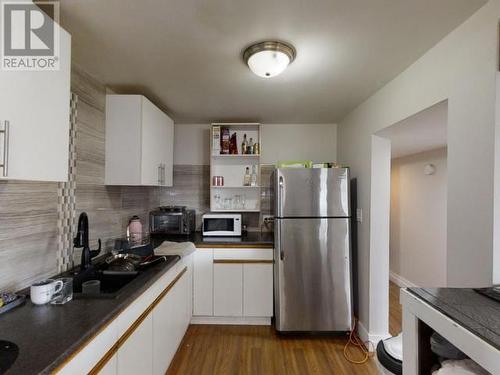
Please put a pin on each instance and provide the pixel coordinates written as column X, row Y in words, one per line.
column 359, row 215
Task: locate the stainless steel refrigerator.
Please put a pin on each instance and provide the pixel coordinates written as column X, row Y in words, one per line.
column 312, row 270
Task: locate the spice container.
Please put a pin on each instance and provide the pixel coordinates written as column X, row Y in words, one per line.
column 218, row 181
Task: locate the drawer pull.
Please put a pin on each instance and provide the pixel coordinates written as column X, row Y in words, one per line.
column 243, row 261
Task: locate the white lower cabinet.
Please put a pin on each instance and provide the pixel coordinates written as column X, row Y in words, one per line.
column 136, row 354
column 258, row 290
column 228, row 289
column 233, row 283
column 170, row 321
column 144, row 337
column 203, row 278
column 110, row 368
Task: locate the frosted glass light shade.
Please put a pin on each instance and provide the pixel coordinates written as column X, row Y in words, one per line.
column 268, row 64
column 270, row 58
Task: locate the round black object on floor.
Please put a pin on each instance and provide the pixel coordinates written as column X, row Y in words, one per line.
column 390, row 363
column 8, row 355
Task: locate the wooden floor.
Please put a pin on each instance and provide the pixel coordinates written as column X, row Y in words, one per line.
column 394, row 310
column 242, row 350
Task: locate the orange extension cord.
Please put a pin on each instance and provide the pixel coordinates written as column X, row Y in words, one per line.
column 355, row 341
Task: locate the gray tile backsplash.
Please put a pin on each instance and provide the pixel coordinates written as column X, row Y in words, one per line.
column 28, row 234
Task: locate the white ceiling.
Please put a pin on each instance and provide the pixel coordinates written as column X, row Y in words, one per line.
column 424, row 131
column 185, row 55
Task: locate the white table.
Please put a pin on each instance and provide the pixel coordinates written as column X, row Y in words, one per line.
column 420, row 318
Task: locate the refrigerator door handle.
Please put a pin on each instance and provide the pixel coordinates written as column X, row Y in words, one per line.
column 281, row 187
column 280, row 245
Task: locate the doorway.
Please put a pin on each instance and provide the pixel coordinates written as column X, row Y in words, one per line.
column 408, row 211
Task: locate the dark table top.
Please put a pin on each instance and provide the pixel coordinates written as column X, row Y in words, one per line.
column 47, row 335
column 251, row 239
column 473, row 311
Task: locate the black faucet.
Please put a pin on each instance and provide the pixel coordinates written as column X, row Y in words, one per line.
column 82, row 240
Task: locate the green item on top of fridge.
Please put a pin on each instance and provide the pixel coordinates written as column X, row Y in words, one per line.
column 295, row 164
column 321, row 165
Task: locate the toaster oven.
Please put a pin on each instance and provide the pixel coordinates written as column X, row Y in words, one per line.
column 172, row 220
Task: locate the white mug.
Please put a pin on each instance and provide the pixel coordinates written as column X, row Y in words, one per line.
column 43, row 291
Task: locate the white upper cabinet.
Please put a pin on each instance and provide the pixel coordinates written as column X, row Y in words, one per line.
column 139, row 142
column 34, row 120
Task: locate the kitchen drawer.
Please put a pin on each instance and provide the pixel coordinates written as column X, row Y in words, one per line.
column 243, row 254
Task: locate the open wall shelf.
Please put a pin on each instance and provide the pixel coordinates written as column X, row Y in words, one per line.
column 233, row 196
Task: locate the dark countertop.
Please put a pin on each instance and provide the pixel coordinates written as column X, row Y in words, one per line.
column 47, row 335
column 251, row 239
column 473, row 311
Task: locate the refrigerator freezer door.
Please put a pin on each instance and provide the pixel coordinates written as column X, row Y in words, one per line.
column 313, row 275
column 312, row 192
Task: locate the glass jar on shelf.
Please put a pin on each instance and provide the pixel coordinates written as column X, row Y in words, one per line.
column 237, row 202
column 217, row 202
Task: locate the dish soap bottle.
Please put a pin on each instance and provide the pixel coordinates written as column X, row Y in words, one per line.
column 247, row 177
column 253, row 177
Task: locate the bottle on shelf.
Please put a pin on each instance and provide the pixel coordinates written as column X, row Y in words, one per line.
column 250, row 146
column 233, row 145
column 256, row 148
column 244, row 145
column 224, row 141
column 216, row 143
column 253, row 177
column 247, row 177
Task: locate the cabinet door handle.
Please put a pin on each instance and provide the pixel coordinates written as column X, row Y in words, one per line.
column 163, row 174
column 159, row 174
column 242, row 261
column 5, row 160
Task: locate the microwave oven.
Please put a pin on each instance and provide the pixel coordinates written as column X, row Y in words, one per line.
column 221, row 225
column 172, row 220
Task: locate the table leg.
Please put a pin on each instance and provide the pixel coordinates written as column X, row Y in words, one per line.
column 410, row 343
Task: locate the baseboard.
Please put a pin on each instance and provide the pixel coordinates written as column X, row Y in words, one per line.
column 231, row 320
column 367, row 337
column 400, row 280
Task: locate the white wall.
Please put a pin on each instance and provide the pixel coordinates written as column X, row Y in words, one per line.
column 461, row 69
column 418, row 219
column 317, row 142
column 192, row 144
column 496, row 223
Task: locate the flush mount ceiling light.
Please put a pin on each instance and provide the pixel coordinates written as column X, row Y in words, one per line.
column 270, row 58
